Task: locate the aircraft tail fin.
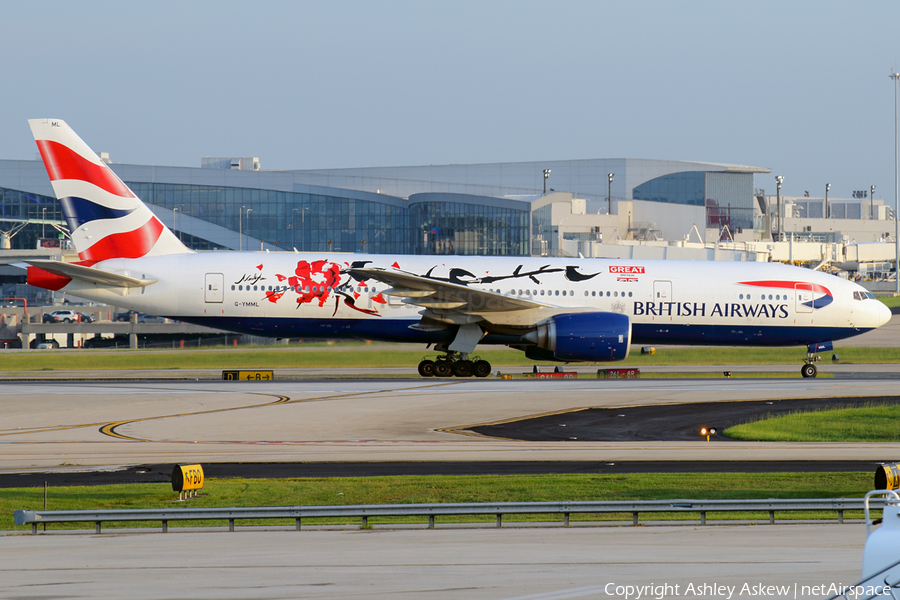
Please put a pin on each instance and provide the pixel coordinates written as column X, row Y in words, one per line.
column 105, row 218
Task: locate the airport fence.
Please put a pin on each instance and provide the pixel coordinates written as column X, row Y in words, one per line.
column 433, row 511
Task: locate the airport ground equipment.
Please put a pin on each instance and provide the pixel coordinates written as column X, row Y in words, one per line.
column 432, row 511
column 881, row 556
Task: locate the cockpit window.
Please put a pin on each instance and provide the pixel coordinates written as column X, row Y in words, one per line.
column 863, row 296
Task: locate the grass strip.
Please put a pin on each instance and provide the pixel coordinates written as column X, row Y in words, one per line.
column 388, row 355
column 447, row 488
column 870, row 423
column 889, row 301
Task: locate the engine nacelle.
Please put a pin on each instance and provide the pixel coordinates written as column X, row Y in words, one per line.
column 592, row 337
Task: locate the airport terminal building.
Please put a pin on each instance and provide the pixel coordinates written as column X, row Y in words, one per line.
column 481, row 209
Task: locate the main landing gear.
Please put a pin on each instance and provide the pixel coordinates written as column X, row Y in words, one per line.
column 454, row 364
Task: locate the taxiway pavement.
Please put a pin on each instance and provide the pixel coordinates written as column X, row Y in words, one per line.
column 513, row 563
column 72, row 424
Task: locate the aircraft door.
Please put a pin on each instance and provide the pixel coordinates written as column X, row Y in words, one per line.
column 804, row 300
column 662, row 291
column 214, row 290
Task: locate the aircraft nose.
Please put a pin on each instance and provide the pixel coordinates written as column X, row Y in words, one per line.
column 883, row 314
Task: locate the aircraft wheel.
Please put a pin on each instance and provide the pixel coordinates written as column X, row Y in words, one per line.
column 808, row 370
column 442, row 369
column 463, row 368
column 426, row 368
column 482, row 368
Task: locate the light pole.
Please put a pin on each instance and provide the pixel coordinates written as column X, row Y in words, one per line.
column 895, row 77
column 779, row 179
column 175, row 222
column 609, row 194
column 872, row 203
column 44, row 224
column 241, row 229
column 827, row 187
column 546, row 175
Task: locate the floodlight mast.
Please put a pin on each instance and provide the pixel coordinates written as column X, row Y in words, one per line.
column 895, row 77
column 609, row 196
column 779, row 223
column 872, row 203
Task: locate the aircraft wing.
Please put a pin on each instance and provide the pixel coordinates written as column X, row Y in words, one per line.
column 89, row 274
column 443, row 295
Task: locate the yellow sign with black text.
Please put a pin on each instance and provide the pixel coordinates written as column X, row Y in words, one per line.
column 187, row 477
column 887, row 476
column 240, row 375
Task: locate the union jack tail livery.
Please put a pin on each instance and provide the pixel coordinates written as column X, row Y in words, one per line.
column 105, row 218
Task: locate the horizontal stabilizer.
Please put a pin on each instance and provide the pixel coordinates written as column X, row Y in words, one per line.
column 89, row 274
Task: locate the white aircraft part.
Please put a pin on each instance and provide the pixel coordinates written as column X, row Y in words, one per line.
column 466, row 339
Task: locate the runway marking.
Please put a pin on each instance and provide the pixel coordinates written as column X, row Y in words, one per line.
column 109, row 428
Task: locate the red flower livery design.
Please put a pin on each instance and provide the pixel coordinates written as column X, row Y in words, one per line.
column 315, row 281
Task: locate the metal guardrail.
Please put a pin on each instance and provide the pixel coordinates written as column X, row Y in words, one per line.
column 498, row 509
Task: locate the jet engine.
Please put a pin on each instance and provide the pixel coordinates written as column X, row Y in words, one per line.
column 592, row 337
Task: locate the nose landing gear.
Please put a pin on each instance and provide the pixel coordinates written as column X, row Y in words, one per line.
column 809, row 368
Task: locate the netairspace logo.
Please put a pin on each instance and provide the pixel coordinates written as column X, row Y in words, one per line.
column 661, row 591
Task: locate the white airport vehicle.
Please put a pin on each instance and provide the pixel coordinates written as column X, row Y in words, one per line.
column 563, row 309
column 881, row 555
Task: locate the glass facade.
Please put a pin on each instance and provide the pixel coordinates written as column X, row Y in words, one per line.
column 729, row 200
column 541, row 230
column 206, row 208
column 443, row 223
column 677, row 188
column 467, row 225
column 305, row 221
column 728, row 197
column 17, row 205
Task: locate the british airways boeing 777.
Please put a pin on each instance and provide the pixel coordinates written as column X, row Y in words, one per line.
column 562, row 309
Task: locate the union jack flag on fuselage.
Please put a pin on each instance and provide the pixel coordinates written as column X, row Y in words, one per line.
column 105, row 218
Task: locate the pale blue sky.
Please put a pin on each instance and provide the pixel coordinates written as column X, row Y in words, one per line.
column 799, row 87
